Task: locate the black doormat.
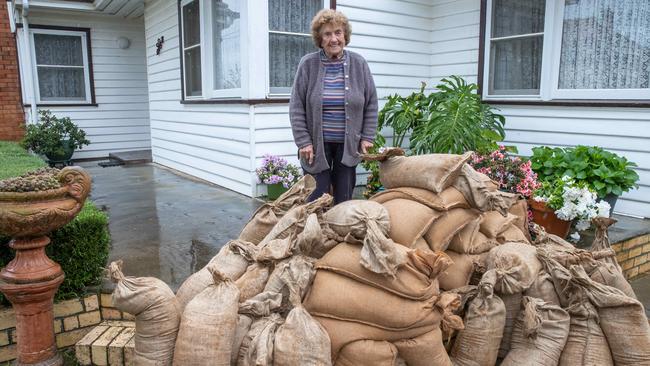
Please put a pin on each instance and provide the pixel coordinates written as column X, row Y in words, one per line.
column 106, row 164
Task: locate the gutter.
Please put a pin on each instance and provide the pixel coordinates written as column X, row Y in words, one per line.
column 31, row 92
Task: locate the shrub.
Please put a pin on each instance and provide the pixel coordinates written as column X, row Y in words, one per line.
column 50, row 136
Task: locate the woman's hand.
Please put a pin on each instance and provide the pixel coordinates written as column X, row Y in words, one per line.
column 364, row 146
column 307, row 154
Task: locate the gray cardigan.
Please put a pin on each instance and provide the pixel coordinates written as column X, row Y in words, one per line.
column 306, row 108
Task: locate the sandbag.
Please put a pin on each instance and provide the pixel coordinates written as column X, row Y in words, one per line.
column 156, row 312
column 448, row 304
column 253, row 281
column 443, row 229
column 257, row 346
column 482, row 192
column 459, row 273
column 434, row 172
column 298, row 272
column 415, row 280
column 470, row 240
column 266, row 216
column 609, row 274
column 543, row 288
column 232, row 260
column 409, row 220
column 312, row 241
column 301, row 340
column 513, row 234
column 601, row 239
column 448, row 199
column 208, row 325
column 243, row 326
column 622, row 320
column 425, row 350
column 492, row 223
column 516, row 266
column 520, row 210
column 540, row 333
column 478, row 344
column 368, row 353
column 366, row 304
column 262, row 304
column 351, row 217
column 512, row 302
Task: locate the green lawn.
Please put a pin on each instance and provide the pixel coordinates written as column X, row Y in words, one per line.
column 14, row 160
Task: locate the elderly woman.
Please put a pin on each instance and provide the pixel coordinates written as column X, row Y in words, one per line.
column 333, row 108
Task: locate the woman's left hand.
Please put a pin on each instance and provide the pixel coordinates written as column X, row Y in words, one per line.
column 364, row 146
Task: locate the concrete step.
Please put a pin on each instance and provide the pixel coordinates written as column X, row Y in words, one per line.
column 111, row 343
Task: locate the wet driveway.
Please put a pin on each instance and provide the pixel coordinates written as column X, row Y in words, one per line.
column 164, row 224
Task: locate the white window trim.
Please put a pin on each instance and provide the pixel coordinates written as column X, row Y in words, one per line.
column 182, row 46
column 34, row 67
column 550, row 71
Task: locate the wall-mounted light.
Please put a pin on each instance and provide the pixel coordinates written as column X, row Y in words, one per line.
column 123, row 43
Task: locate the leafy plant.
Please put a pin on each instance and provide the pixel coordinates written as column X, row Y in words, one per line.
column 602, row 171
column 275, row 170
column 457, row 121
column 53, row 135
column 512, row 173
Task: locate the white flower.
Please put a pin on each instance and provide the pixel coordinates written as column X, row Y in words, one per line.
column 603, row 208
column 575, row 237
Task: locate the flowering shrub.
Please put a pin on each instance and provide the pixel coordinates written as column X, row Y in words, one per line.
column 572, row 200
column 512, row 173
column 275, row 170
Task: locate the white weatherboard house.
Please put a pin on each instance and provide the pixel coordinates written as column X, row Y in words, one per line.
column 204, row 83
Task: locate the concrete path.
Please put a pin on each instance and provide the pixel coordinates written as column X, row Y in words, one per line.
column 164, row 224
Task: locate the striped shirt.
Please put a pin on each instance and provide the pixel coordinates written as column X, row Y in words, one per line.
column 333, row 99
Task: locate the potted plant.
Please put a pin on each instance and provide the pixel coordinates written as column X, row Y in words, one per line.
column 277, row 174
column 561, row 203
column 512, row 173
column 604, row 172
column 56, row 138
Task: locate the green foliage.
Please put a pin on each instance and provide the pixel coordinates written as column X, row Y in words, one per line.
column 15, row 161
column 602, row 171
column 47, row 137
column 80, row 247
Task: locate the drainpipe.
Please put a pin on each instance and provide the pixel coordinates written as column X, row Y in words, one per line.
column 28, row 61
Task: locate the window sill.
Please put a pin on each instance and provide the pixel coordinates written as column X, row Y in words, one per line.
column 573, row 103
column 236, row 101
column 63, row 105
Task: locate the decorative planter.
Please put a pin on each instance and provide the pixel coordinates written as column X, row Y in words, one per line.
column 64, row 157
column 273, row 191
column 546, row 218
column 31, row 279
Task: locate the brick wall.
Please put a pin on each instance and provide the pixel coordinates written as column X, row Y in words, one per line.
column 634, row 255
column 11, row 111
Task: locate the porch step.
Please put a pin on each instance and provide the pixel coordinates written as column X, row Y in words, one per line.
column 111, row 343
column 132, row 157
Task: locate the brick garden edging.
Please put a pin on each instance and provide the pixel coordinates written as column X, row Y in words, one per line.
column 633, row 255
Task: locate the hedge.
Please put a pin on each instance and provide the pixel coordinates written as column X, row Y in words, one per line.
column 80, row 247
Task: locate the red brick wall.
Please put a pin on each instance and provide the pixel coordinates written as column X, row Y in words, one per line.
column 11, row 111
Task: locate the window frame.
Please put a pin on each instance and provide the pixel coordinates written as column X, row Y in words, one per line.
column 86, row 49
column 181, row 46
column 550, row 93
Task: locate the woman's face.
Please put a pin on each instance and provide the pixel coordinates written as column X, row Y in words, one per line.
column 333, row 40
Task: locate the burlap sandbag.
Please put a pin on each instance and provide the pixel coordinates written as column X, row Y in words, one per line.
column 368, row 353
column 243, row 326
column 448, row 199
column 232, row 260
column 343, row 332
column 513, row 234
column 262, row 304
column 459, row 273
column 268, row 214
column 478, row 344
column 512, row 303
column 540, row 333
column 520, row 210
column 253, row 281
column 351, row 217
column 415, row 280
column 297, row 271
column 448, row 304
column 493, row 223
column 156, row 311
column 425, row 350
column 482, row 193
column 208, row 325
column 434, row 172
column 366, row 304
column 608, row 274
column 516, row 266
column 257, row 346
column 409, row 220
column 622, row 320
column 543, row 288
column 312, row 241
column 601, row 239
column 301, row 340
column 470, row 240
column 443, row 229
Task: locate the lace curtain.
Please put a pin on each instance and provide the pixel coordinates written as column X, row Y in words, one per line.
column 227, row 56
column 60, row 67
column 286, row 50
column 605, row 44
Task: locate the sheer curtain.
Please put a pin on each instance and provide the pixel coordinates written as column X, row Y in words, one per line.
column 516, row 61
column 605, row 44
column 60, row 67
column 227, row 56
column 285, row 50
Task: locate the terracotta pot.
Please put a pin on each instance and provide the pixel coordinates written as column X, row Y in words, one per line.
column 546, row 218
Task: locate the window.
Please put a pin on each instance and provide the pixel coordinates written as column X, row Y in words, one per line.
column 567, row 49
column 61, row 65
column 289, row 39
column 226, row 44
column 191, row 25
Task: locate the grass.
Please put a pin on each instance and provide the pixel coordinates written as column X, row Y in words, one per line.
column 15, row 161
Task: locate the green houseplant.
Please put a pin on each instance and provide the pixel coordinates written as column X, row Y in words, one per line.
column 604, row 172
column 56, row 138
column 277, row 174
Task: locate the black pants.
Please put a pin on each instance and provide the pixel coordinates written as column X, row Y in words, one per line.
column 341, row 178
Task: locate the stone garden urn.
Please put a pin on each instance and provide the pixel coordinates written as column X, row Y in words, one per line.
column 31, row 279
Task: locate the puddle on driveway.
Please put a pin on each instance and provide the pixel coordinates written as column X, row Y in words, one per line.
column 165, row 225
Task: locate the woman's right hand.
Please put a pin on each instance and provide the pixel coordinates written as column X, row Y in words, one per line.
column 307, row 154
